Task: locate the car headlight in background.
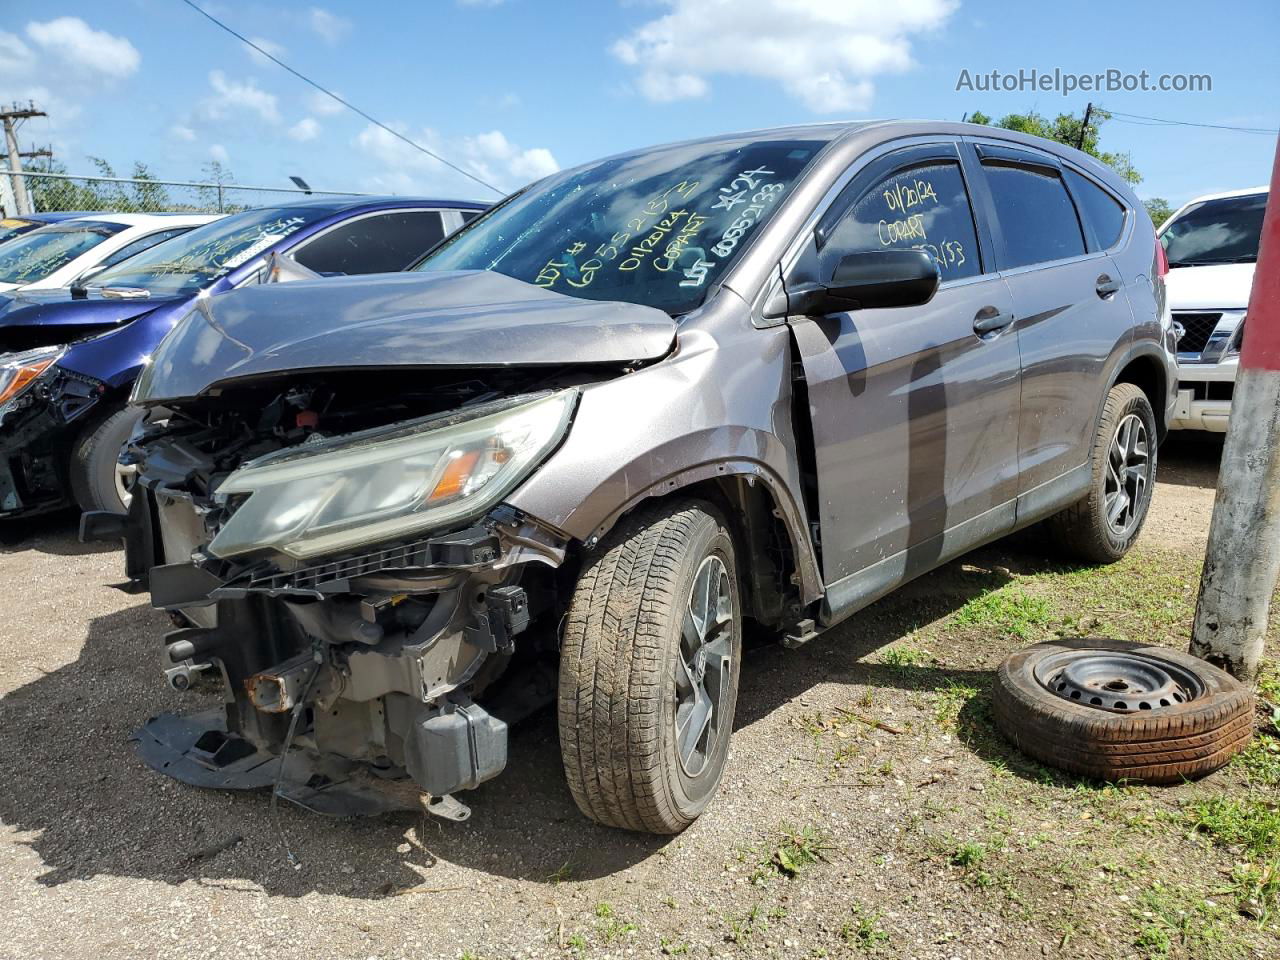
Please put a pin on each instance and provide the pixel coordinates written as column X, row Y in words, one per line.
column 389, row 482
column 19, row 371
column 1237, row 338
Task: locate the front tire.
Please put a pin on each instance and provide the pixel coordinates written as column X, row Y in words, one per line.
column 1103, row 525
column 98, row 482
column 649, row 670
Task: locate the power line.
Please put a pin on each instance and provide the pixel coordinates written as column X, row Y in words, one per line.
column 350, row 106
column 1155, row 121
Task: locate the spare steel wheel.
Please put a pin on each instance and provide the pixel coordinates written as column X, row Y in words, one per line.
column 1121, row 711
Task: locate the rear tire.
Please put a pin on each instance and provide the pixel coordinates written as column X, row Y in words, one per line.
column 1103, row 525
column 96, row 480
column 645, row 719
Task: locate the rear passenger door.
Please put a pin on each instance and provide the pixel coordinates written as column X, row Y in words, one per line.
column 1071, row 307
column 914, row 411
column 375, row 243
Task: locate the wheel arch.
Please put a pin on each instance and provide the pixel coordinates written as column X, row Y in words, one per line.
column 776, row 557
column 1145, row 368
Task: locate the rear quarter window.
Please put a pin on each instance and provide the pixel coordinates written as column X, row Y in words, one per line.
column 1104, row 214
column 1037, row 218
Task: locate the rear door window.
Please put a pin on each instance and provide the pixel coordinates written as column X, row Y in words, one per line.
column 385, row 243
column 1036, row 216
column 923, row 207
column 1102, row 211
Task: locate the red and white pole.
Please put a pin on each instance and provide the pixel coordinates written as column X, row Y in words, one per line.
column 1242, row 560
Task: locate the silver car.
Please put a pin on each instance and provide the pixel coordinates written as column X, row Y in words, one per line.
column 765, row 377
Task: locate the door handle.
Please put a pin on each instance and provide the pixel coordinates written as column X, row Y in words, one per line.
column 1107, row 287
column 990, row 320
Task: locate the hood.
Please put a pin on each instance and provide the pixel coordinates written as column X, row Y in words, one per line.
column 1222, row 286
column 39, row 307
column 471, row 318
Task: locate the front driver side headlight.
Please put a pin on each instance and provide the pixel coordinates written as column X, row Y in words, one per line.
column 389, row 482
column 20, row 371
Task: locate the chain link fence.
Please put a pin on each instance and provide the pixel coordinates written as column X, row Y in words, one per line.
column 46, row 192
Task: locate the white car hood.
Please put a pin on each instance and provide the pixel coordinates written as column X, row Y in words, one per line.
column 1223, row 286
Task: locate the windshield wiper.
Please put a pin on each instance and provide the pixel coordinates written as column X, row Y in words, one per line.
column 1214, row 261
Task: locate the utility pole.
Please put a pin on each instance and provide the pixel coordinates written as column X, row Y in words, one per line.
column 10, row 117
column 1084, row 126
column 1242, row 561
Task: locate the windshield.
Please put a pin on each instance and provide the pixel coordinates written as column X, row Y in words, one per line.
column 33, row 256
column 194, row 260
column 656, row 228
column 1216, row 231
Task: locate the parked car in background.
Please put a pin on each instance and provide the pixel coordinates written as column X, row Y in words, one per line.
column 59, row 254
column 761, row 377
column 14, row 226
column 1212, row 248
column 68, row 358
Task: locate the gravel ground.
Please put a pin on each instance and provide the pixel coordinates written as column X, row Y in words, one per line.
column 101, row 857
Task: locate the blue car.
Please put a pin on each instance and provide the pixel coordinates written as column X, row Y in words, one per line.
column 68, row 358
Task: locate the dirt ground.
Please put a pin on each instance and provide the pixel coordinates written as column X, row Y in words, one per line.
column 869, row 808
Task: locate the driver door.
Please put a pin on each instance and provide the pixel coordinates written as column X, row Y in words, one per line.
column 914, row 410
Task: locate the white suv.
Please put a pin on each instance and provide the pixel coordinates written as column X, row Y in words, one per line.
column 1212, row 247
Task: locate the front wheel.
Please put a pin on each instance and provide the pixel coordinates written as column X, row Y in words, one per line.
column 98, row 480
column 1102, row 526
column 649, row 670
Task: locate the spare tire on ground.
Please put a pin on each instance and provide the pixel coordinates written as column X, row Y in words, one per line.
column 1118, row 711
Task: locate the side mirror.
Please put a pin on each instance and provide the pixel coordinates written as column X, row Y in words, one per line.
column 876, row 278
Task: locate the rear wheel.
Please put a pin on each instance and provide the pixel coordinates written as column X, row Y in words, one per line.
column 98, row 480
column 1102, row 526
column 649, row 670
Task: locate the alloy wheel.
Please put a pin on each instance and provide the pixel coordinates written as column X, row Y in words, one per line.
column 703, row 666
column 1128, row 476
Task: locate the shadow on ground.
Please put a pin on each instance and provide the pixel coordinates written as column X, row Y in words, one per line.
column 86, row 806
column 56, row 533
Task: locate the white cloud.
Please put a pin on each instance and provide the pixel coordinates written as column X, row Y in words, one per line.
column 323, row 104
column 94, row 51
column 233, row 98
column 489, row 156
column 824, row 53
column 219, row 153
column 329, row 26
column 305, row 129
column 269, row 46
column 180, row 132
column 16, row 58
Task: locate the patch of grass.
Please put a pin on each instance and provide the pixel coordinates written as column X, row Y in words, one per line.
column 672, row 949
column 1171, row 916
column 1256, row 890
column 1251, row 821
column 610, row 926
column 741, row 930
column 576, row 943
column 902, row 657
column 1010, row 610
column 969, row 854
column 561, row 873
column 798, row 848
column 862, row 931
column 949, row 701
column 1260, row 761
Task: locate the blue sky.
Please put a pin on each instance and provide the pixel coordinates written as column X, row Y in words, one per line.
column 511, row 89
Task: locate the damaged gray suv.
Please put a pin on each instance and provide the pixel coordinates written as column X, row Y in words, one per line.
column 758, row 378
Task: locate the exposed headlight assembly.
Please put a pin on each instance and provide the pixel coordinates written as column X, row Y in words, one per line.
column 20, row 371
column 390, row 482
